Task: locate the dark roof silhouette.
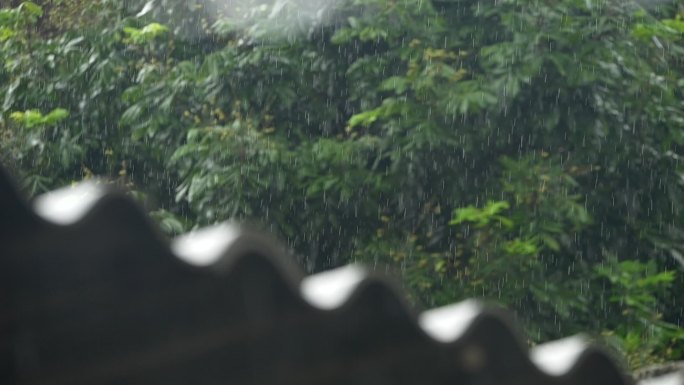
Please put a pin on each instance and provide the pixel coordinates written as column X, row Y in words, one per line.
column 91, row 293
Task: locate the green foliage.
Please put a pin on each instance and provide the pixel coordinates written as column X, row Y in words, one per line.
column 145, row 34
column 526, row 152
column 482, row 217
column 168, row 222
column 16, row 18
column 641, row 331
column 34, row 118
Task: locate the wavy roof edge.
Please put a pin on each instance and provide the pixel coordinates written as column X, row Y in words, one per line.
column 219, row 248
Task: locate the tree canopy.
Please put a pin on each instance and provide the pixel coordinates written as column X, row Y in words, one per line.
column 524, row 151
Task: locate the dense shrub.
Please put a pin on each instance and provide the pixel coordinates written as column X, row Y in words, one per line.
column 524, row 151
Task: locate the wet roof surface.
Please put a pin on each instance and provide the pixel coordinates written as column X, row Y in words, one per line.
column 91, row 293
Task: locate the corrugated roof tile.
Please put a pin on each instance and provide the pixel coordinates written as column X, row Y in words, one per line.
column 92, row 294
